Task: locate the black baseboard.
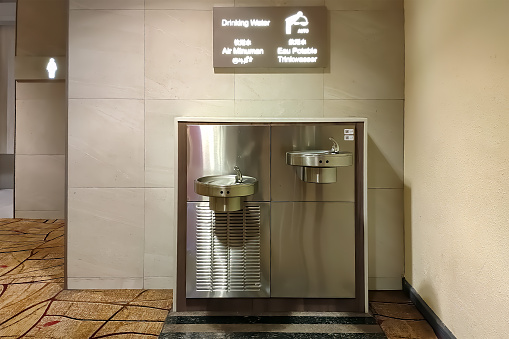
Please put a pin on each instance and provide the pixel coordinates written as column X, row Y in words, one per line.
column 438, row 326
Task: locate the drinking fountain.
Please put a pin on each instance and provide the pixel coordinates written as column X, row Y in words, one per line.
column 319, row 166
column 225, row 191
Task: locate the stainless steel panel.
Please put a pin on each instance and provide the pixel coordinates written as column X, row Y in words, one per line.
column 216, row 149
column 228, row 253
column 313, row 249
column 285, row 182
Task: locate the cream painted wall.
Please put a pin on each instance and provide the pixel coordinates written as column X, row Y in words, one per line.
column 457, row 162
column 136, row 65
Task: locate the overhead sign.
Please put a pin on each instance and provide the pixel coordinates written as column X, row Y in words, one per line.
column 268, row 37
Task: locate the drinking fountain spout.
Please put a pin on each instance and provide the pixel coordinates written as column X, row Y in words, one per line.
column 335, row 146
column 238, row 175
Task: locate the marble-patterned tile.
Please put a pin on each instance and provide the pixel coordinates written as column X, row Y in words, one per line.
column 40, row 183
column 363, row 5
column 368, row 55
column 270, row 3
column 159, row 282
column 281, row 86
column 103, row 283
column 312, row 318
column 105, row 236
column 178, row 57
column 279, row 108
column 186, row 4
column 41, row 118
column 385, row 136
column 385, row 233
column 160, row 233
column 106, row 4
column 106, row 143
column 160, row 129
column 106, row 54
column 290, row 331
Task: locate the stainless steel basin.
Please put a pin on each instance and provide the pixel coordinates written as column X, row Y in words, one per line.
column 319, row 158
column 319, row 166
column 225, row 186
column 225, row 191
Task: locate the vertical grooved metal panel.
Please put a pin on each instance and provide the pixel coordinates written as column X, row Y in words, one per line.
column 228, row 256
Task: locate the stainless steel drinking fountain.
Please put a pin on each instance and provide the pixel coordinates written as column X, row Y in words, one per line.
column 225, row 191
column 319, row 166
column 277, row 239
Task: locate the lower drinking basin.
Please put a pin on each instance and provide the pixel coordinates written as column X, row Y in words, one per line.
column 225, row 186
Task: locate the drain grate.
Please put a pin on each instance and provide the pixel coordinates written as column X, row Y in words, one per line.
column 228, row 250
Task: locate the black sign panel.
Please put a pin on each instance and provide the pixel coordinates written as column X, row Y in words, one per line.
column 270, row 37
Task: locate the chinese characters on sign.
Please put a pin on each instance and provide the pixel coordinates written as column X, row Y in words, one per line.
column 270, row 37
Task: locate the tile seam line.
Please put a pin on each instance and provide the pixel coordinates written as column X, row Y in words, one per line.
column 142, row 9
column 144, row 141
column 100, row 187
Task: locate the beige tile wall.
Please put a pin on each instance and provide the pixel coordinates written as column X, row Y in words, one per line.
column 134, row 66
column 41, row 111
column 106, row 143
column 7, row 93
column 40, row 150
column 178, row 52
column 110, row 240
column 106, row 54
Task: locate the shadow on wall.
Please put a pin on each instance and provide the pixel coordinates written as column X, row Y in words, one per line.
column 427, row 293
column 381, row 173
column 385, row 225
column 7, row 171
column 425, row 289
column 407, row 212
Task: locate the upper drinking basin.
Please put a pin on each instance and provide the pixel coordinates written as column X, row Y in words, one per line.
column 225, row 186
column 319, row 158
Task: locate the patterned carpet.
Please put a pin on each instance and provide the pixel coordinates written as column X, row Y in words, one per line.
column 33, row 303
column 398, row 316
